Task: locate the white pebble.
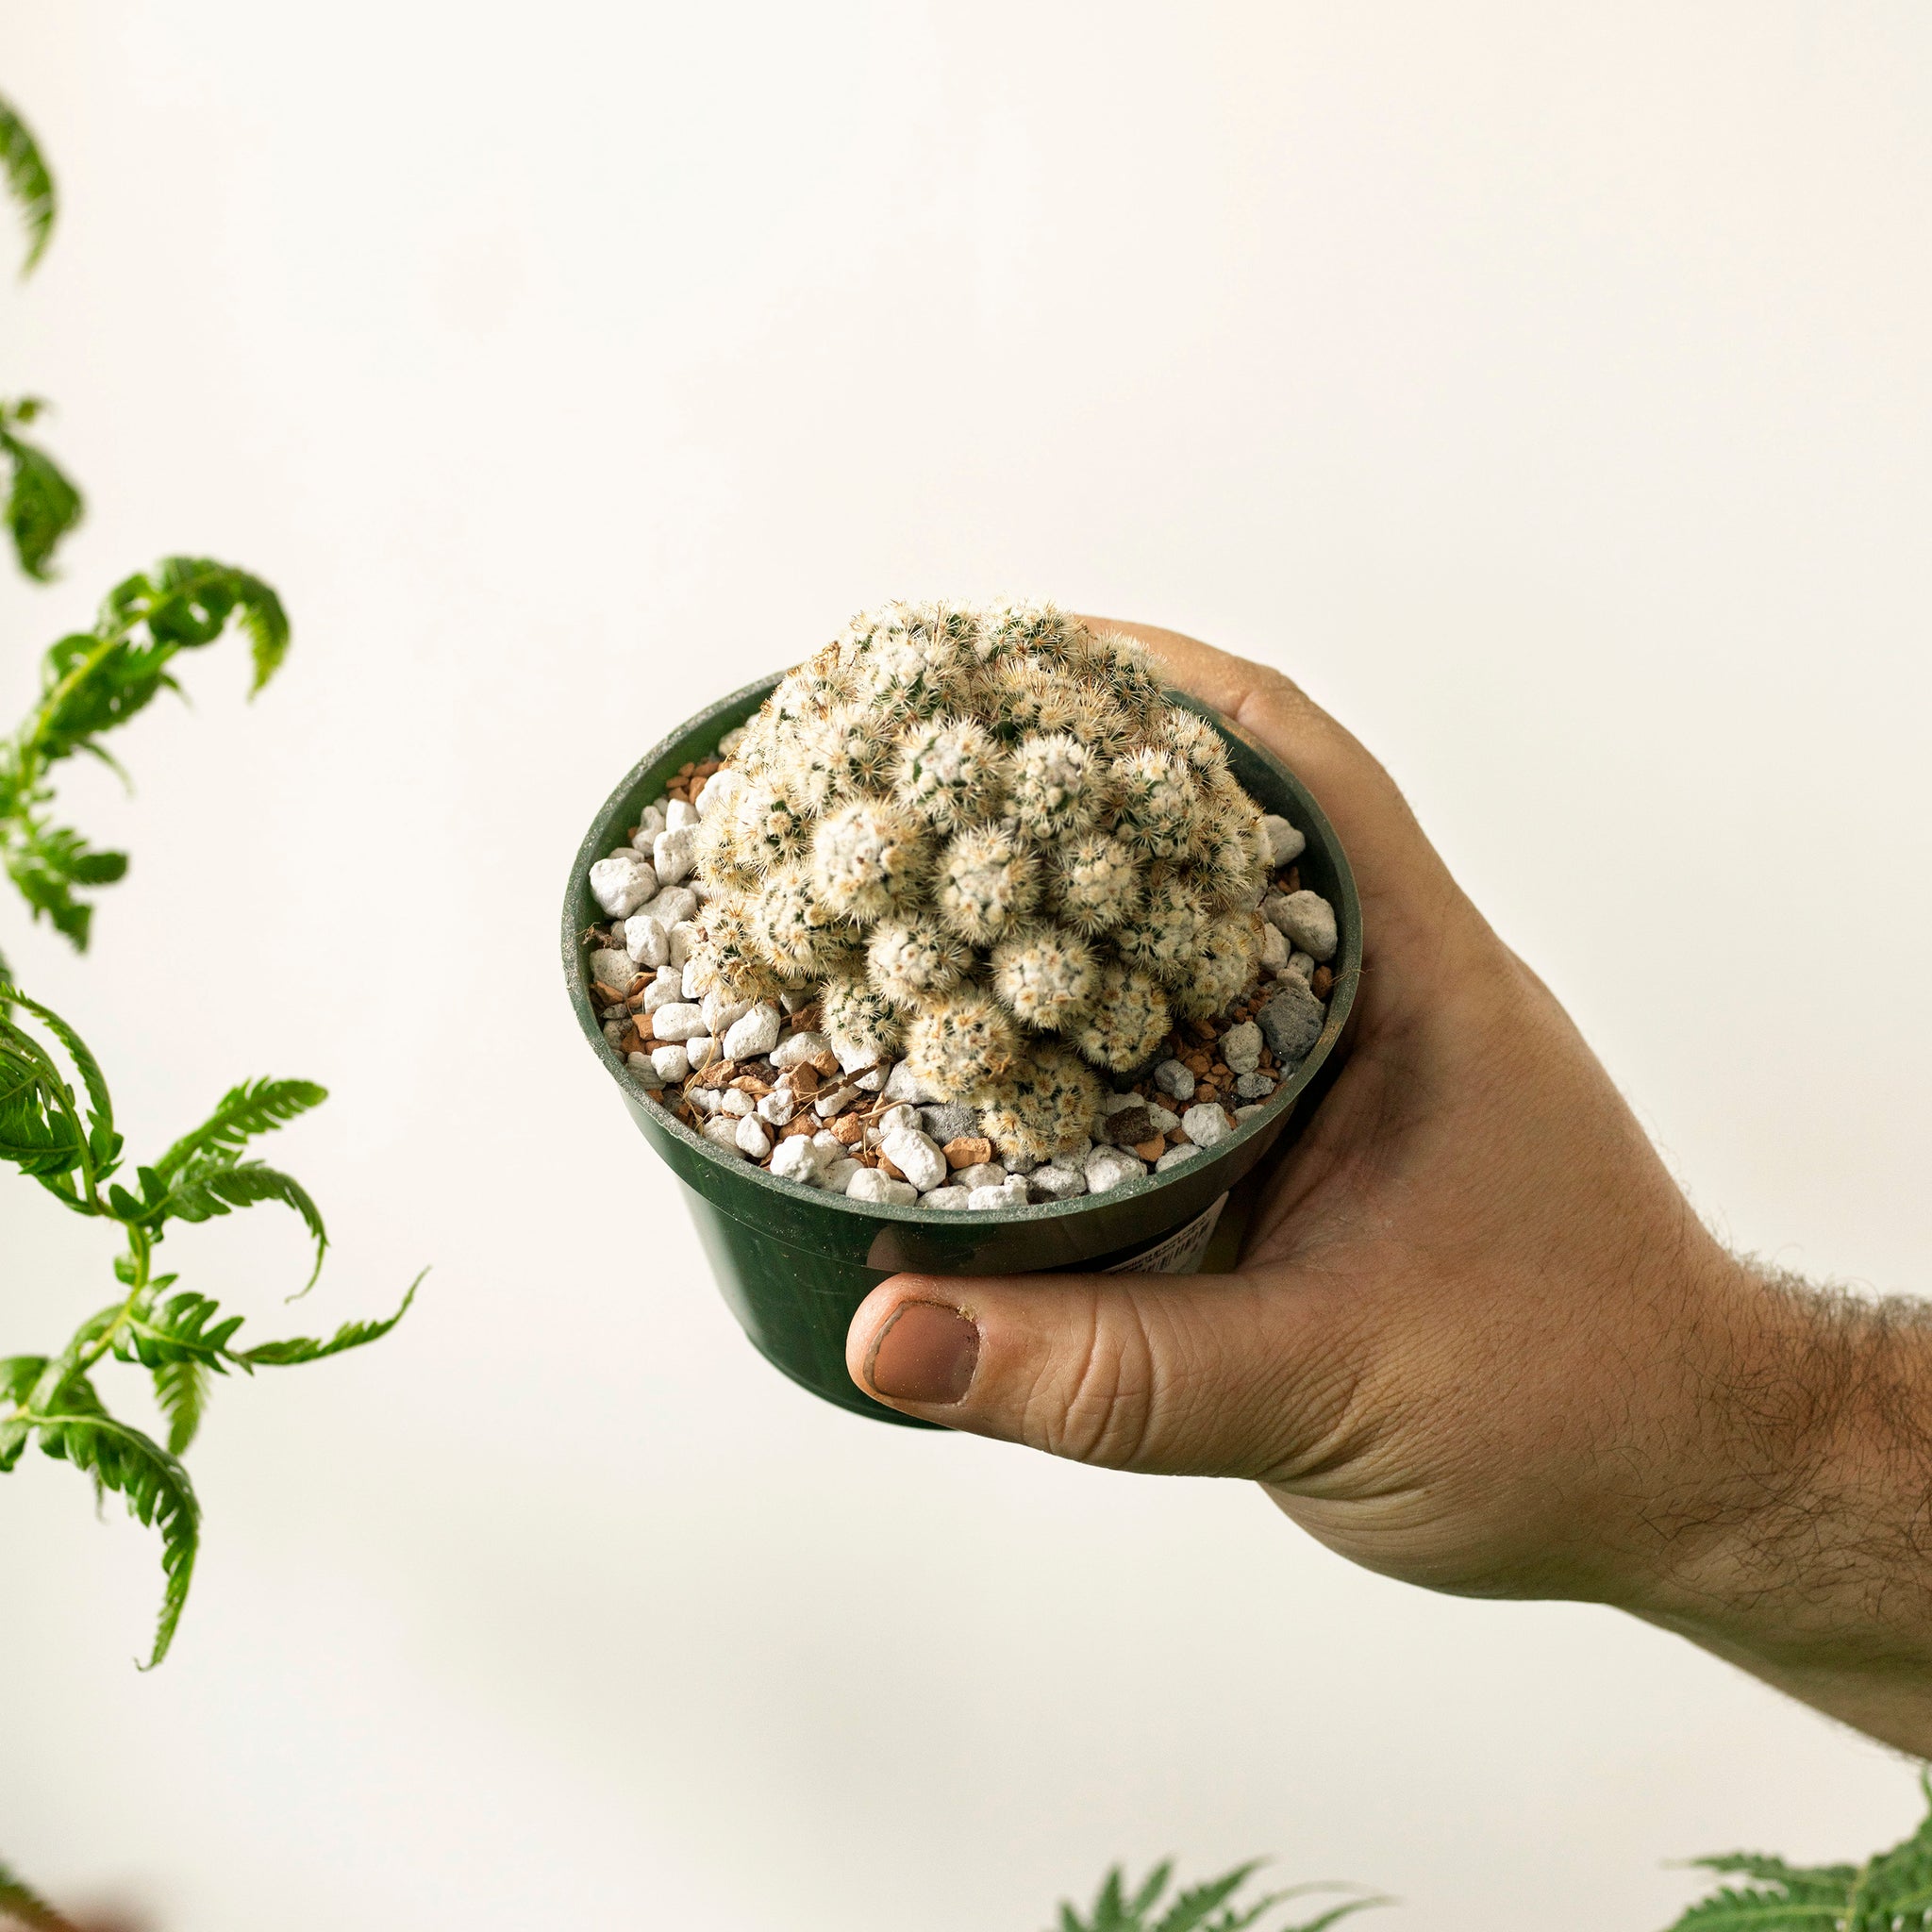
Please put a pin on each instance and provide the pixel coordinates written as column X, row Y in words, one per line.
column 829, row 1144
column 673, row 906
column 682, row 937
column 869, row 1184
column 1306, row 917
column 1285, row 844
column 695, row 978
column 899, row 1120
column 754, row 1034
column 1274, row 949
column 945, row 1197
column 736, row 1101
column 657, row 996
column 1162, row 1121
column 797, row 1159
column 916, row 1156
column 703, row 1050
column 901, row 1085
column 1248, row 1114
column 673, row 854
column 1206, row 1125
column 722, row 1012
column 612, row 967
column 621, row 883
column 1241, row 1047
column 650, row 822
column 795, row 999
column 988, row 1174
column 982, row 1199
column 834, row 1176
column 675, row 1020
column 1118, row 1103
column 834, row 1100
column 1112, row 1166
column 1177, row 1156
column 778, row 1106
column 646, row 940
column 672, row 1062
column 679, row 814
column 796, row 1048
column 1300, row 966
column 872, row 1080
column 718, row 790
column 1018, row 1191
column 731, row 740
column 753, row 1137
column 722, row 1132
column 645, row 1071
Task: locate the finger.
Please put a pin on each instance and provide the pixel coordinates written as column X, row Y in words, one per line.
column 1205, row 1376
column 1396, row 867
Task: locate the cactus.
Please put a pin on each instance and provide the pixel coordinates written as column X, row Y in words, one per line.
column 988, row 839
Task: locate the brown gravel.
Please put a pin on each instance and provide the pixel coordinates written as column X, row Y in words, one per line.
column 968, row 1152
column 1151, row 1150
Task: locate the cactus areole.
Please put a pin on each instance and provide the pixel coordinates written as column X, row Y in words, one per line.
column 985, row 848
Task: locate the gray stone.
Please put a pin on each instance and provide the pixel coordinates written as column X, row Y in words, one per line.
column 1308, row 920
column 1206, row 1125
column 1059, row 1183
column 1172, row 1077
column 1254, row 1086
column 916, row 1157
column 1285, row 844
column 1020, row 1163
column 1291, row 1020
column 1274, row 949
column 949, row 1120
column 1241, row 1047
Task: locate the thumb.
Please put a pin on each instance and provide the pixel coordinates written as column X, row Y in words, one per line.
column 1201, row 1375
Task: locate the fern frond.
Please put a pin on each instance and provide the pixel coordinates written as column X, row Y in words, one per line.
column 75, row 1427
column 29, row 181
column 282, row 1355
column 1192, row 1907
column 215, row 1186
column 182, row 1394
column 253, row 1107
column 43, row 503
column 19, row 1901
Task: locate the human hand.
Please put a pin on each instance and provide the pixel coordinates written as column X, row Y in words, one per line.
column 1478, row 1338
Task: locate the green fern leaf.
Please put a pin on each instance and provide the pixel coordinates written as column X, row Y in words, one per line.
column 73, row 1426
column 1796, row 1908
column 1151, row 1888
column 29, row 181
column 175, row 1331
column 18, row 1901
column 256, row 1106
column 42, row 502
column 1194, row 1906
column 214, row 1186
column 283, row 1354
column 182, row 1394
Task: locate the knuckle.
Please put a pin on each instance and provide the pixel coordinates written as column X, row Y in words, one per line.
column 1100, row 1405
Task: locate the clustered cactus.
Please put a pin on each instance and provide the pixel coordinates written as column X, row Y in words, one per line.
column 989, row 841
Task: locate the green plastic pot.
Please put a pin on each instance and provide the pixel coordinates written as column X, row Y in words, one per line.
column 794, row 1263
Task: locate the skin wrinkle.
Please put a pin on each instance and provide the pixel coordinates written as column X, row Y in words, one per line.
column 1480, row 1340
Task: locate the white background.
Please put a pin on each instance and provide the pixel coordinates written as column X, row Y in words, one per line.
column 1545, row 385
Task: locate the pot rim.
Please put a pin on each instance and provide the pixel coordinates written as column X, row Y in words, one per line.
column 597, row 842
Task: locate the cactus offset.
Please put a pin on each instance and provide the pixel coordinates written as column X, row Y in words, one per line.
column 991, row 840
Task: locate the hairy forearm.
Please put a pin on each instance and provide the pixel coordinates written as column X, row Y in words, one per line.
column 1798, row 1543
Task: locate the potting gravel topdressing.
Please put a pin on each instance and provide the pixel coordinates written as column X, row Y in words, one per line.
column 969, row 915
